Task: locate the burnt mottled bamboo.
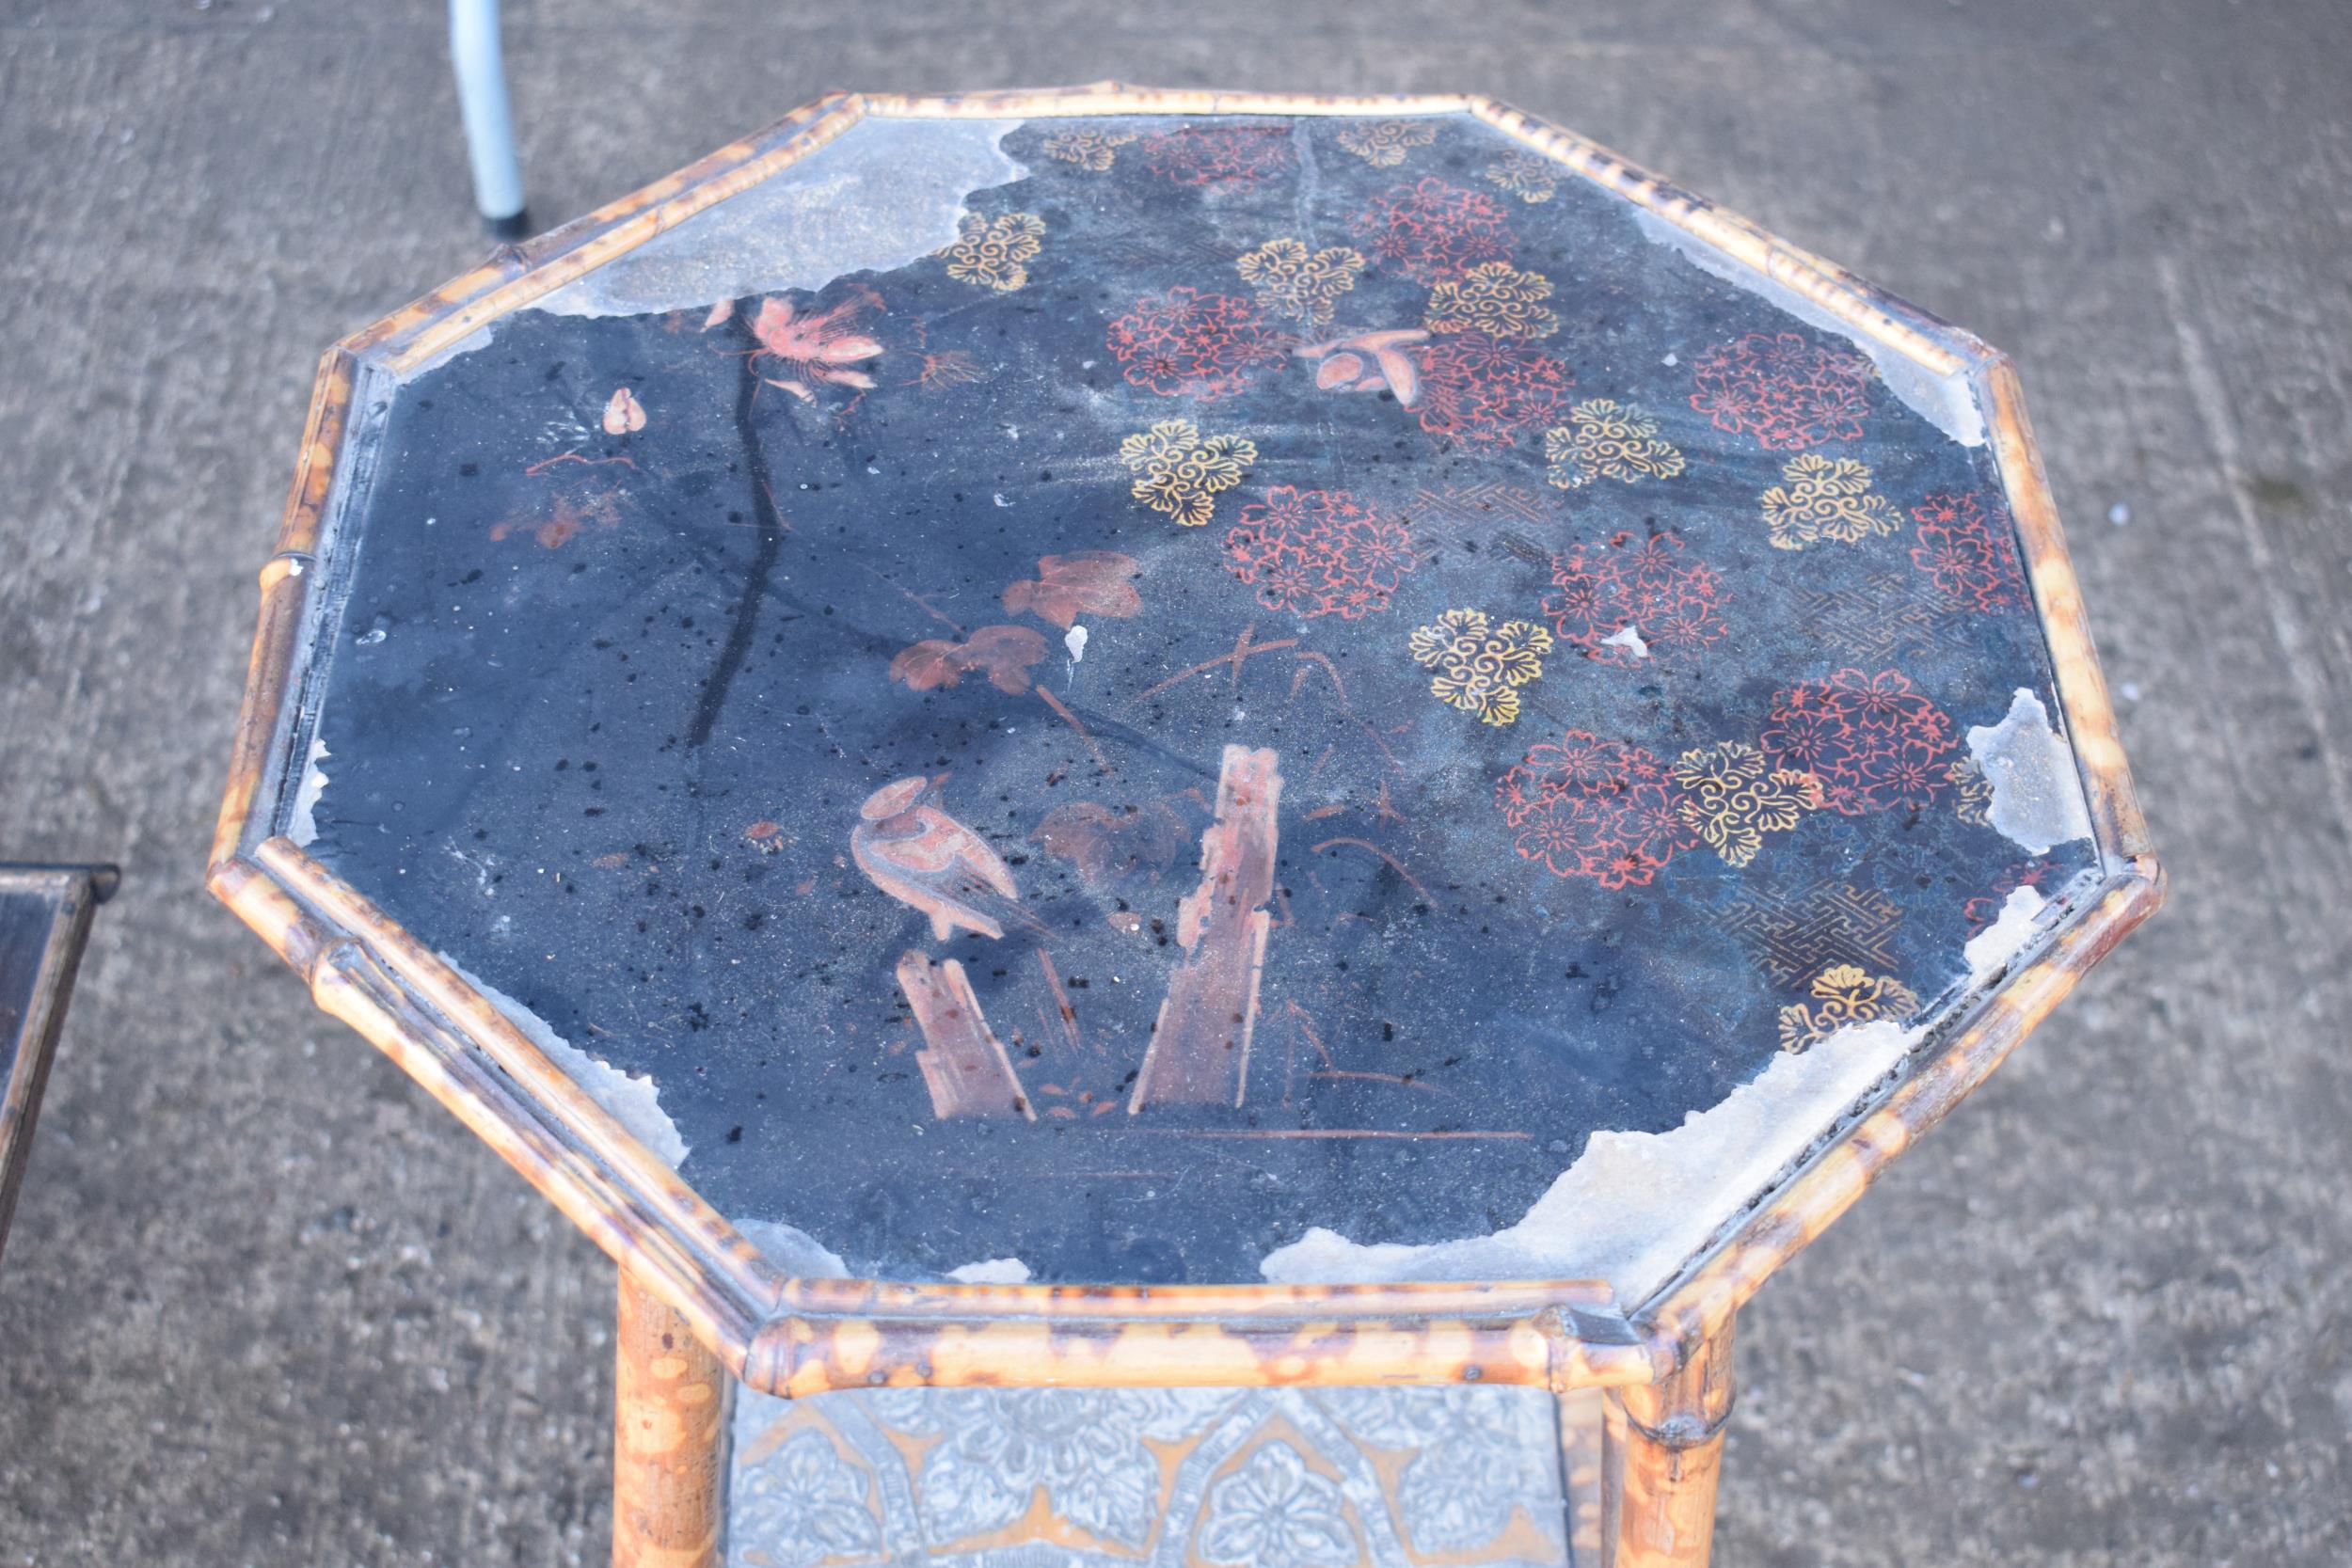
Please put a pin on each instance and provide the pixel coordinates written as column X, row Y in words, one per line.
column 670, row 1403
column 1663, row 1449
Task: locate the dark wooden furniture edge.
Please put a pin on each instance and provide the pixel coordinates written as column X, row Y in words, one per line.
column 75, row 892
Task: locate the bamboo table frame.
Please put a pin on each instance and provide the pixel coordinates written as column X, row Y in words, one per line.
column 700, row 1308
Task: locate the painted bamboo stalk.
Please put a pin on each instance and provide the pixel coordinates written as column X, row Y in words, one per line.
column 1199, row 1050
column 965, row 1064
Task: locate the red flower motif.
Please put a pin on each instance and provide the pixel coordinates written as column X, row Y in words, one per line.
column 1184, row 341
column 1603, row 589
column 1807, row 738
column 1785, row 389
column 1483, row 391
column 1876, row 742
column 1195, row 155
column 1579, row 763
column 1564, row 837
column 1912, row 774
column 806, row 348
column 1433, row 231
column 1589, row 807
column 1318, row 553
column 1968, row 546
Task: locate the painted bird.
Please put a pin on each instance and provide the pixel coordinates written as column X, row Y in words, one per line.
column 1368, row 362
column 927, row 859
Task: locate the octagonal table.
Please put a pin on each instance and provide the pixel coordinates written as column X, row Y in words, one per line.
column 1158, row 740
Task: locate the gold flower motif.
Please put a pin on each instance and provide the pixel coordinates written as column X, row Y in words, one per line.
column 1383, row 143
column 1972, row 792
column 1480, row 667
column 1526, row 176
column 990, row 252
column 1823, row 498
column 1291, row 280
column 1732, row 798
column 1604, row 439
column 1179, row 472
column 1095, row 150
column 1843, row 994
column 1497, row 299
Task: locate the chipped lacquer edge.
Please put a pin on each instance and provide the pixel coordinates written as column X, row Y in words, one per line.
column 1714, row 1287
column 803, row 1335
column 2117, row 825
column 797, row 1337
column 513, row 276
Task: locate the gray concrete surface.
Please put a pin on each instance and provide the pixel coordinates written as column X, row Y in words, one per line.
column 266, row 1303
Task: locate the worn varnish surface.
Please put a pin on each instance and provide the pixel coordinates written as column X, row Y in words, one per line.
column 1295, row 671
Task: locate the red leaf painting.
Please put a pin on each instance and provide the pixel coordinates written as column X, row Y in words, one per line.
column 1006, row 654
column 1089, row 582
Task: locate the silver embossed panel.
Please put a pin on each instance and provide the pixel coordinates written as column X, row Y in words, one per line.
column 1381, row 1478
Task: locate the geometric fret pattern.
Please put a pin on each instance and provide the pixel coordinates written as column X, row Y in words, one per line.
column 1481, row 504
column 1882, row 619
column 1791, row 935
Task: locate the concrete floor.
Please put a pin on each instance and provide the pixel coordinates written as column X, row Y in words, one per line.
column 267, row 1303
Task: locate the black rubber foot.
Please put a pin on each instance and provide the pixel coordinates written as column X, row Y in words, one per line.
column 515, row 226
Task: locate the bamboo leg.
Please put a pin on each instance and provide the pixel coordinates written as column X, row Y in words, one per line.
column 1581, row 1418
column 669, row 1452
column 1665, row 1447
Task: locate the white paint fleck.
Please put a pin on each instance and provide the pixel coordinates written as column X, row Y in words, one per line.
column 998, row 497
column 992, row 1271
column 1946, row 402
column 1075, row 641
column 302, row 815
column 2036, row 792
column 2120, row 514
column 633, row 1102
column 483, row 866
column 1629, row 637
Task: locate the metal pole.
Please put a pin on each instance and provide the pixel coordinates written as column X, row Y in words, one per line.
column 498, row 170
